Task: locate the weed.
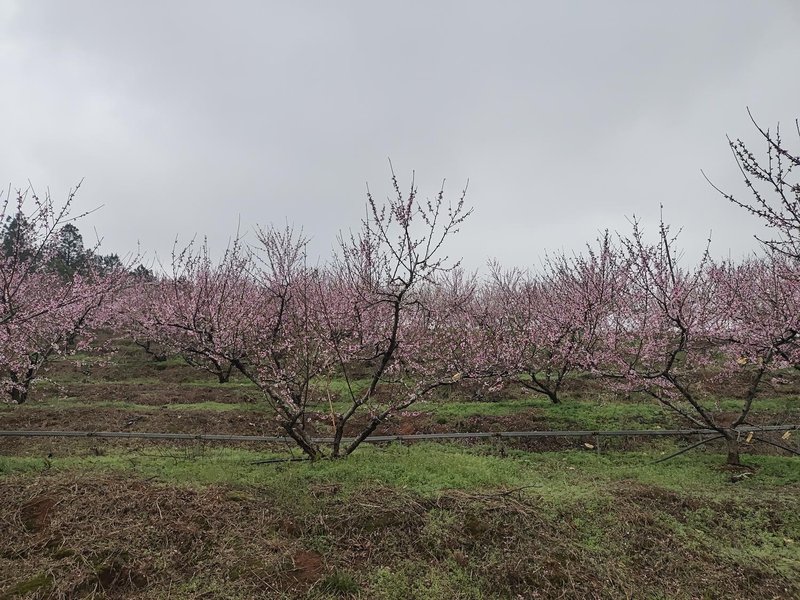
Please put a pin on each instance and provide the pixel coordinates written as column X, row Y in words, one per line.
column 339, row 583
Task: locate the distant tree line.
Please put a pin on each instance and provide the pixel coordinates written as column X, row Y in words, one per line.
column 64, row 253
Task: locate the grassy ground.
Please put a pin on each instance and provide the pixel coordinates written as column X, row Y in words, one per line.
column 421, row 521
column 137, row 519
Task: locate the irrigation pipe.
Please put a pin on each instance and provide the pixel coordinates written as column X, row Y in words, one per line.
column 684, row 450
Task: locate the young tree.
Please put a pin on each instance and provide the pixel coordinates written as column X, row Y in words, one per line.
column 256, row 310
column 758, row 303
column 42, row 313
column 281, row 343
column 288, row 326
column 383, row 314
column 543, row 326
column 134, row 318
column 195, row 312
column 680, row 332
column 52, row 317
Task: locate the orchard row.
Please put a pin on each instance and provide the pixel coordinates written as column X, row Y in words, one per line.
column 390, row 308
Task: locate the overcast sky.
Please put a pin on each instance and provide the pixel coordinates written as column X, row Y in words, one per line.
column 567, row 117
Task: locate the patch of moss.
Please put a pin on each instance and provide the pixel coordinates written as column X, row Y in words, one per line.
column 40, row 583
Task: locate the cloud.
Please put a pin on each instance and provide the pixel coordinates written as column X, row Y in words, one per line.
column 186, row 117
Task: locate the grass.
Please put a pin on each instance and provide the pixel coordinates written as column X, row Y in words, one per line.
column 220, row 406
column 533, row 412
column 425, row 521
column 602, row 413
column 779, row 405
column 130, row 370
column 339, row 389
column 569, row 414
column 38, row 584
column 423, row 469
column 427, row 468
column 70, row 402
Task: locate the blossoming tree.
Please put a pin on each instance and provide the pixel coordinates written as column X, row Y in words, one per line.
column 43, row 311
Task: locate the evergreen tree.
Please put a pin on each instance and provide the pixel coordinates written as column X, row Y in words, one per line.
column 17, row 237
column 70, row 256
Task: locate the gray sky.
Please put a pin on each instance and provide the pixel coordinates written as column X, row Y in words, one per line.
column 567, row 117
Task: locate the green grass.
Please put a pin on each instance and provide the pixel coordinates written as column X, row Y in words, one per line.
column 66, row 403
column 791, row 404
column 569, row 415
column 424, row 469
column 428, row 468
column 434, row 521
column 443, row 521
column 578, row 414
column 220, row 406
column 466, row 409
column 339, row 389
column 413, row 579
column 38, row 584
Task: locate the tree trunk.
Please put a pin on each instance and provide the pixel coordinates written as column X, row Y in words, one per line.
column 544, row 387
column 22, row 385
column 732, row 445
column 306, row 445
column 337, row 438
column 147, row 347
column 19, row 394
column 365, row 433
